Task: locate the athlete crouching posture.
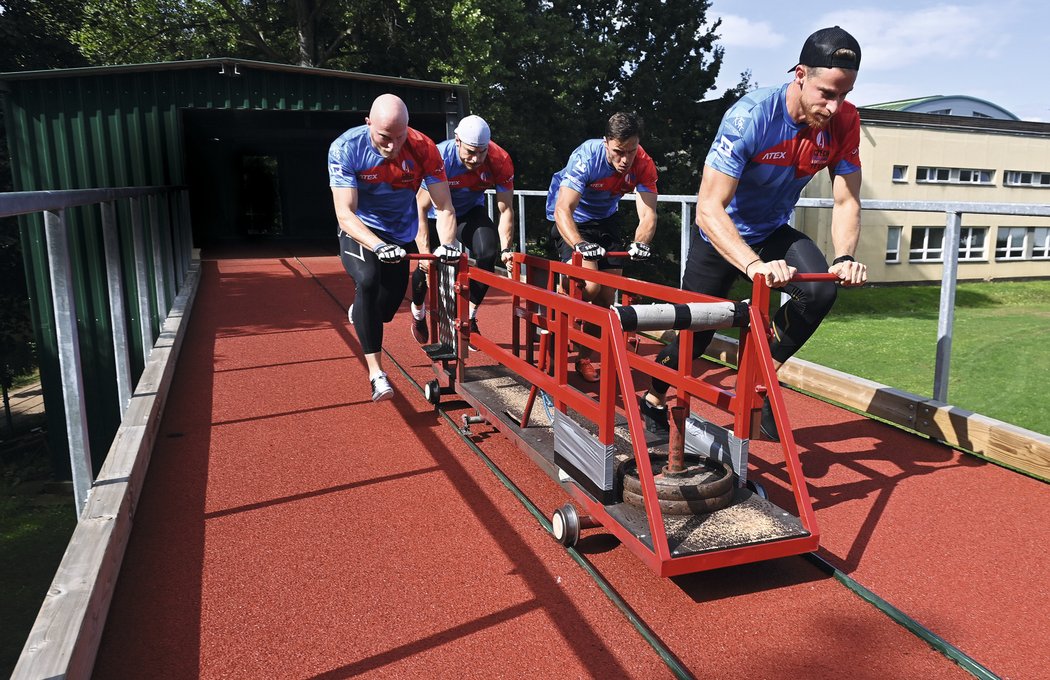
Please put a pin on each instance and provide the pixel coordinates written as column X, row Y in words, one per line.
column 769, row 146
column 375, row 170
column 583, row 200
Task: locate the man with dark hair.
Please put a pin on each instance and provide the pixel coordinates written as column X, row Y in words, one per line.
column 473, row 163
column 375, row 170
column 769, row 146
column 583, row 200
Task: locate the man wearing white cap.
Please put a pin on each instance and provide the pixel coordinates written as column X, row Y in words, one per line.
column 473, row 164
column 374, row 171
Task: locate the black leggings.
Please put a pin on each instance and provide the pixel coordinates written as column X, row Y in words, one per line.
column 380, row 288
column 707, row 272
column 478, row 235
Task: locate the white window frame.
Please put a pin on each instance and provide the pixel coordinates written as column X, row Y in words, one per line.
column 1040, row 243
column 1026, row 178
column 969, row 252
column 924, row 253
column 1012, row 251
column 893, row 254
column 978, row 176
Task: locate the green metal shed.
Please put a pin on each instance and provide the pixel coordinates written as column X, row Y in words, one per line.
column 247, row 139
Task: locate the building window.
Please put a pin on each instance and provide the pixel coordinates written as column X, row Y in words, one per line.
column 893, row 245
column 953, row 175
column 1023, row 243
column 900, row 173
column 971, row 243
column 927, row 244
column 1041, row 243
column 1024, row 178
column 1009, row 243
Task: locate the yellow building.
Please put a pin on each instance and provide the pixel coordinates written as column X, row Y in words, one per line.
column 909, row 156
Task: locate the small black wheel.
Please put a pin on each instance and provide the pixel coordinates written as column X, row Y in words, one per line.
column 432, row 391
column 757, row 489
column 565, row 525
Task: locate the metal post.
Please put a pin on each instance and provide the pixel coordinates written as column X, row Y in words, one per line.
column 117, row 314
column 159, row 274
column 683, row 247
column 187, row 231
column 946, row 317
column 61, row 271
column 521, row 223
column 174, row 208
column 142, row 279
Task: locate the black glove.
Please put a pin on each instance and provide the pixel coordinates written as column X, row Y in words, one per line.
column 639, row 251
column 448, row 252
column 388, row 253
column 590, row 251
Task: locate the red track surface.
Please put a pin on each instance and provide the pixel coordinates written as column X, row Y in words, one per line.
column 291, row 528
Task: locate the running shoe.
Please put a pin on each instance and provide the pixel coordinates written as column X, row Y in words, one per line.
column 420, row 331
column 350, row 315
column 587, row 370
column 654, row 417
column 381, row 389
column 473, row 330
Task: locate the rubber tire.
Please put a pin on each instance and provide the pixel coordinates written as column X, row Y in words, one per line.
column 565, row 525
column 757, row 489
column 432, row 392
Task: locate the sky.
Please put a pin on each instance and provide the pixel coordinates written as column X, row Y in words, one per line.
column 991, row 50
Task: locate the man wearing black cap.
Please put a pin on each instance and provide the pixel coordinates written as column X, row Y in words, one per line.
column 769, row 146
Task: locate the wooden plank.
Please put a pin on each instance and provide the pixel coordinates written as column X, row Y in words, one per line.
column 1002, row 442
column 64, row 639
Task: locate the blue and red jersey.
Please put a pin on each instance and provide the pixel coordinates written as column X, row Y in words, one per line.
column 386, row 188
column 468, row 187
column 773, row 157
column 598, row 183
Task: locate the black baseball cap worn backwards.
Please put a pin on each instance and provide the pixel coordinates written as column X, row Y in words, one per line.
column 819, row 50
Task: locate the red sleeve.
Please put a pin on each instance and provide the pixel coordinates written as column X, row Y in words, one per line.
column 502, row 168
column 645, row 171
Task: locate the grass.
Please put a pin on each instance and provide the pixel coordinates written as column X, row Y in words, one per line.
column 998, row 366
column 34, row 531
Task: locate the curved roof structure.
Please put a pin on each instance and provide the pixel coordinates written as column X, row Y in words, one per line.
column 948, row 105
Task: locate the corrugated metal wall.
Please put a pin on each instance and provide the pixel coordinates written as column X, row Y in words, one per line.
column 122, row 127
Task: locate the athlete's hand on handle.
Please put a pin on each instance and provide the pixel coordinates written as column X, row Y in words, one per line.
column 590, row 251
column 639, row 251
column 388, row 253
column 776, row 273
column 850, row 272
column 448, row 252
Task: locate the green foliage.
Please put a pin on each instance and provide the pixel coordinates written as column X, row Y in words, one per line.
column 545, row 74
column 35, row 34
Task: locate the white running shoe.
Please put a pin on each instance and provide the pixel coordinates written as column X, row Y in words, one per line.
column 350, row 315
column 381, row 389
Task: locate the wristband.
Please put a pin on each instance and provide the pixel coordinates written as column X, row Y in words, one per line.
column 843, row 258
column 748, row 266
column 507, row 250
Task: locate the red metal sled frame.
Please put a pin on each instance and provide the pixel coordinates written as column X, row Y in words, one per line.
column 756, row 377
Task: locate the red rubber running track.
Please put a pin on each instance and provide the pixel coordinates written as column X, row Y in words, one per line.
column 290, row 528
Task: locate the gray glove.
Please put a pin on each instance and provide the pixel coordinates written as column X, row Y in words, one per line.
column 388, row 253
column 590, row 251
column 448, row 252
column 639, row 251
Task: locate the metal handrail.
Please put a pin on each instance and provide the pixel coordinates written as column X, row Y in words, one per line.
column 171, row 246
column 953, row 211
